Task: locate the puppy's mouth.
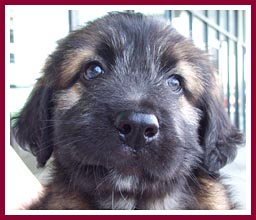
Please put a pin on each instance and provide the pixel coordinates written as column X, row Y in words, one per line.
column 136, row 131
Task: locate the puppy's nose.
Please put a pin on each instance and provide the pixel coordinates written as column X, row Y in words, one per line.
column 137, row 129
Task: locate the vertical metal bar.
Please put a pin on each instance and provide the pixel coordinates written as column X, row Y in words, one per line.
column 206, row 37
column 243, row 93
column 190, row 24
column 218, row 38
column 70, row 20
column 243, row 75
column 168, row 14
column 236, row 77
column 228, row 73
column 73, row 19
column 218, row 23
column 244, row 26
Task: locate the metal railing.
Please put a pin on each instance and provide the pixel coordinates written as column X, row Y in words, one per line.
column 229, row 29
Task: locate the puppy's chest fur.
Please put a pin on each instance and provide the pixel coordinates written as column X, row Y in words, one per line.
column 59, row 197
column 128, row 193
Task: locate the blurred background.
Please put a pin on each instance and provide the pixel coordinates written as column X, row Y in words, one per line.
column 32, row 33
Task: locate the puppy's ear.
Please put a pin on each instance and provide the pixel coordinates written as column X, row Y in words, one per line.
column 219, row 137
column 33, row 124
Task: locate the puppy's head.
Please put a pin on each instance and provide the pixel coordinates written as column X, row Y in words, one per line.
column 128, row 93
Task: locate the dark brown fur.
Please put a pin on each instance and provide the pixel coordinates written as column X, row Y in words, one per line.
column 74, row 118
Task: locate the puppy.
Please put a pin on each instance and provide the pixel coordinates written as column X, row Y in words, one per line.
column 132, row 115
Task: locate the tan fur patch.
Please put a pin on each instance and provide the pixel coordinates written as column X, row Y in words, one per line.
column 217, row 85
column 214, row 196
column 66, row 99
column 73, row 63
column 192, row 78
column 187, row 113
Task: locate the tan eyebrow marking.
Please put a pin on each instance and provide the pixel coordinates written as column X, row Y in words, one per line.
column 67, row 98
column 72, row 64
column 192, row 78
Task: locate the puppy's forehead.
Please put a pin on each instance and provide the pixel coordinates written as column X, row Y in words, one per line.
column 136, row 37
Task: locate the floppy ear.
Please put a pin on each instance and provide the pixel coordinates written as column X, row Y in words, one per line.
column 33, row 124
column 218, row 136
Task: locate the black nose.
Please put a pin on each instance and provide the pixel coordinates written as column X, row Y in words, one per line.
column 137, row 129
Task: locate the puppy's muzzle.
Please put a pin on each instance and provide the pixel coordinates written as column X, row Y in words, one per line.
column 137, row 129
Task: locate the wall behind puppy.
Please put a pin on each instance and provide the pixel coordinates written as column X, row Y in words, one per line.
column 32, row 33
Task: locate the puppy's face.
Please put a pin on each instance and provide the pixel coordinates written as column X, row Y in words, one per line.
column 129, row 94
column 124, row 105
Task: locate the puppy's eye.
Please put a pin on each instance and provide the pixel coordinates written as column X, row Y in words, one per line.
column 92, row 71
column 175, row 83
